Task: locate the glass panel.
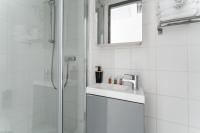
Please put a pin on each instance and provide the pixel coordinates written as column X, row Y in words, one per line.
column 28, row 102
column 74, row 66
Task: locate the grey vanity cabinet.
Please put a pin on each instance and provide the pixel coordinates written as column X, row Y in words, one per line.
column 106, row 115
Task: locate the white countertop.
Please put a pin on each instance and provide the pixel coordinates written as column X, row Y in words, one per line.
column 120, row 92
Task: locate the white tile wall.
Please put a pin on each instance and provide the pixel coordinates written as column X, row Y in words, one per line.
column 194, row 130
column 149, row 11
column 167, row 127
column 194, row 91
column 172, row 83
column 194, row 60
column 169, row 69
column 150, row 108
column 192, row 30
column 143, row 58
column 150, row 38
column 122, row 59
column 150, row 125
column 172, row 109
column 148, row 81
column 194, row 114
column 172, row 58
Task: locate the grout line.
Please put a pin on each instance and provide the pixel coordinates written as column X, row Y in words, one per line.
column 174, row 70
column 194, row 71
column 168, row 121
column 156, row 73
column 180, row 98
column 159, row 70
column 188, row 84
column 198, row 128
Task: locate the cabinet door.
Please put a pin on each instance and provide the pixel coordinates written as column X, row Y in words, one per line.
column 124, row 117
column 96, row 114
column 105, row 115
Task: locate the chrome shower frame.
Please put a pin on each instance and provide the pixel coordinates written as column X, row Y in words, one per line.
column 59, row 31
column 59, row 41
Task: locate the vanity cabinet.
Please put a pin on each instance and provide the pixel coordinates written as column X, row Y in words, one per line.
column 107, row 115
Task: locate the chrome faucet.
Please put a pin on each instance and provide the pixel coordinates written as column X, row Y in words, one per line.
column 133, row 79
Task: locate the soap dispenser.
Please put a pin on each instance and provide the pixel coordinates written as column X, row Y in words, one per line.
column 99, row 74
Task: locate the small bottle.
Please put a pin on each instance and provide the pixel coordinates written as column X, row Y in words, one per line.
column 120, row 81
column 110, row 80
column 99, row 75
column 115, row 80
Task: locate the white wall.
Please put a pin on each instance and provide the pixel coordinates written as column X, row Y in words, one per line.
column 169, row 69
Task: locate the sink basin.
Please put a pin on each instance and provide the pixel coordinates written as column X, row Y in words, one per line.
column 112, row 87
column 120, row 92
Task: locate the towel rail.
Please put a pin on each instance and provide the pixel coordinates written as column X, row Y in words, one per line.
column 178, row 21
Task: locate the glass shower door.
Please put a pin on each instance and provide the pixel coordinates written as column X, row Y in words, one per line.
column 34, row 68
column 28, row 101
column 74, row 72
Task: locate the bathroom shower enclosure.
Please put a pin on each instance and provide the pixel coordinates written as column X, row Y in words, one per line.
column 43, row 66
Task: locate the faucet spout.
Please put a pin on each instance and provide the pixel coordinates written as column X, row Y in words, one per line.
column 133, row 80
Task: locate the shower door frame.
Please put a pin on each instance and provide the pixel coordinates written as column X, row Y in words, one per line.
column 59, row 41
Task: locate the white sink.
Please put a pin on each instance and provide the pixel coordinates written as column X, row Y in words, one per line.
column 120, row 92
column 112, row 87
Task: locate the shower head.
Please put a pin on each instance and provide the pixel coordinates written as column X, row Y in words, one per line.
column 52, row 21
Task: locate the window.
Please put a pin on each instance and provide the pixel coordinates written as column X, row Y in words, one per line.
column 125, row 22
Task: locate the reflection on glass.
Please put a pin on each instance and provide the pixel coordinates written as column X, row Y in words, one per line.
column 118, row 21
column 125, row 23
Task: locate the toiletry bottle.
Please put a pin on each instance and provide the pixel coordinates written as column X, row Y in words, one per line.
column 115, row 80
column 99, row 75
column 120, row 81
column 110, row 80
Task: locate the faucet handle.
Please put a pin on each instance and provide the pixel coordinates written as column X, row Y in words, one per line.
column 133, row 76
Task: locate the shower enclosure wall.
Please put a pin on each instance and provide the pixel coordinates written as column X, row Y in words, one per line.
column 28, row 101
